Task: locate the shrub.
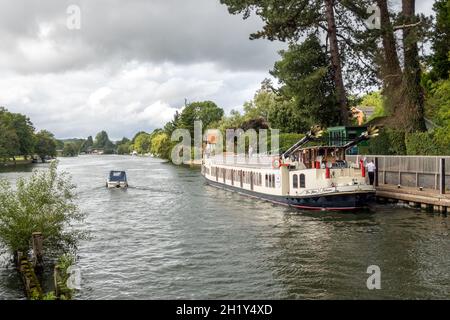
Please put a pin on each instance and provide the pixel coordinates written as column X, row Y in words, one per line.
column 44, row 203
column 421, row 144
column 389, row 142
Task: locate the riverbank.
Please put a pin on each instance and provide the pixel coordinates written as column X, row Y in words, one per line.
column 15, row 163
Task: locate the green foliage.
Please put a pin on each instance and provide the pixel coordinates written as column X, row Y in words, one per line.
column 143, row 143
column 102, row 142
column 389, row 142
column 438, row 108
column 440, row 59
column 70, row 150
column 49, row 296
column 45, row 144
column 287, row 140
column 374, row 99
column 44, row 203
column 16, row 134
column 421, row 144
column 160, row 145
column 206, row 111
column 307, row 79
column 88, row 143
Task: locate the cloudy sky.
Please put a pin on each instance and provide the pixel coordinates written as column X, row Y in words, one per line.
column 130, row 65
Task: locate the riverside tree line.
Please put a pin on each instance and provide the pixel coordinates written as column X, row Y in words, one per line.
column 332, row 63
column 333, row 56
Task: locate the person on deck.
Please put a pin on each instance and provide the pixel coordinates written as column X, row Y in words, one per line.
column 371, row 168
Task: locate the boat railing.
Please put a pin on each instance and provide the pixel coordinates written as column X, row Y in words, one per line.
column 254, row 161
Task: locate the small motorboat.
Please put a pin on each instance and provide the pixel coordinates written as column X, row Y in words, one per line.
column 117, row 179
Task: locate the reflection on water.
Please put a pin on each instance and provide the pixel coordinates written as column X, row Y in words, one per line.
column 171, row 236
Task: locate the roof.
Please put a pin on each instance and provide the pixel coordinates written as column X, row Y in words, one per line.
column 117, row 176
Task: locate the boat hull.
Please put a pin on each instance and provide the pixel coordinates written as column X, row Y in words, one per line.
column 337, row 201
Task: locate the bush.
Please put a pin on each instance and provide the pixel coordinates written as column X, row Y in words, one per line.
column 44, row 203
column 389, row 142
column 421, row 144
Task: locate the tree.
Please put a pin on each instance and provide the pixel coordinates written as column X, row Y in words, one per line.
column 440, row 59
column 17, row 134
column 161, row 145
column 9, row 142
column 45, row 144
column 341, row 21
column 123, row 146
column 70, row 150
column 171, row 126
column 207, row 112
column 44, row 203
column 25, row 132
column 88, row 143
column 307, row 78
column 143, row 143
column 402, row 87
column 102, row 142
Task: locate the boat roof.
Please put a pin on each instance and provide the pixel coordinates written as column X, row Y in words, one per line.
column 117, row 176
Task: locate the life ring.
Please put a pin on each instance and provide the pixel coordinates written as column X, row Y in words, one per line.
column 276, row 163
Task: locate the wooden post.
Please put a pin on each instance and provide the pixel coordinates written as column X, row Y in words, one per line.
column 56, row 280
column 442, row 174
column 376, row 172
column 38, row 249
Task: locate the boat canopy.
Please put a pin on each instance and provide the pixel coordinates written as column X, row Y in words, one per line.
column 117, row 176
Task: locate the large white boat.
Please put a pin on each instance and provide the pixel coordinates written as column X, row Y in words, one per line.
column 316, row 178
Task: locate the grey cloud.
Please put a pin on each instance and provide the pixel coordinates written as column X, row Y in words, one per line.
column 181, row 32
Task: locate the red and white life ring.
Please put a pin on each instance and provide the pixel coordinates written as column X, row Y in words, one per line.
column 276, row 163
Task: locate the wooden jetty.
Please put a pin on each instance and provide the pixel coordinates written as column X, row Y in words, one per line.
column 417, row 181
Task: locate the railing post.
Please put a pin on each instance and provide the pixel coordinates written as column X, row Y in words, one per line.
column 442, row 174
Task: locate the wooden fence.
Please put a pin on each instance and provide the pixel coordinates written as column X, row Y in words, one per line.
column 411, row 171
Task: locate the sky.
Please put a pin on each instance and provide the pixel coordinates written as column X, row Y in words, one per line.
column 130, row 65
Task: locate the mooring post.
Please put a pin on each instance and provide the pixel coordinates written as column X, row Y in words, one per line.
column 56, row 280
column 38, row 249
column 442, row 171
column 376, row 172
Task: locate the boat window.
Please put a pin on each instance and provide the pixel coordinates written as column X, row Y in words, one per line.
column 302, row 181
column 273, row 181
column 295, row 181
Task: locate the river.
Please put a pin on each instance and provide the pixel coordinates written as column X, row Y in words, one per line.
column 170, row 236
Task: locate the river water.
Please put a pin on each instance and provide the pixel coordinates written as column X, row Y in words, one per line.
column 171, row 236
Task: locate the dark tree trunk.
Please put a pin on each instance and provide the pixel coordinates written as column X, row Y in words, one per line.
column 391, row 72
column 336, row 62
column 411, row 116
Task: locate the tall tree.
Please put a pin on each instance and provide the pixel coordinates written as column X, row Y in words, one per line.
column 341, row 21
column 306, row 75
column 410, row 114
column 336, row 61
column 23, row 129
column 440, row 60
column 88, row 143
column 206, row 111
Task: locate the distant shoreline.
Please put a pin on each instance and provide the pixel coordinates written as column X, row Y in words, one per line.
column 17, row 163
